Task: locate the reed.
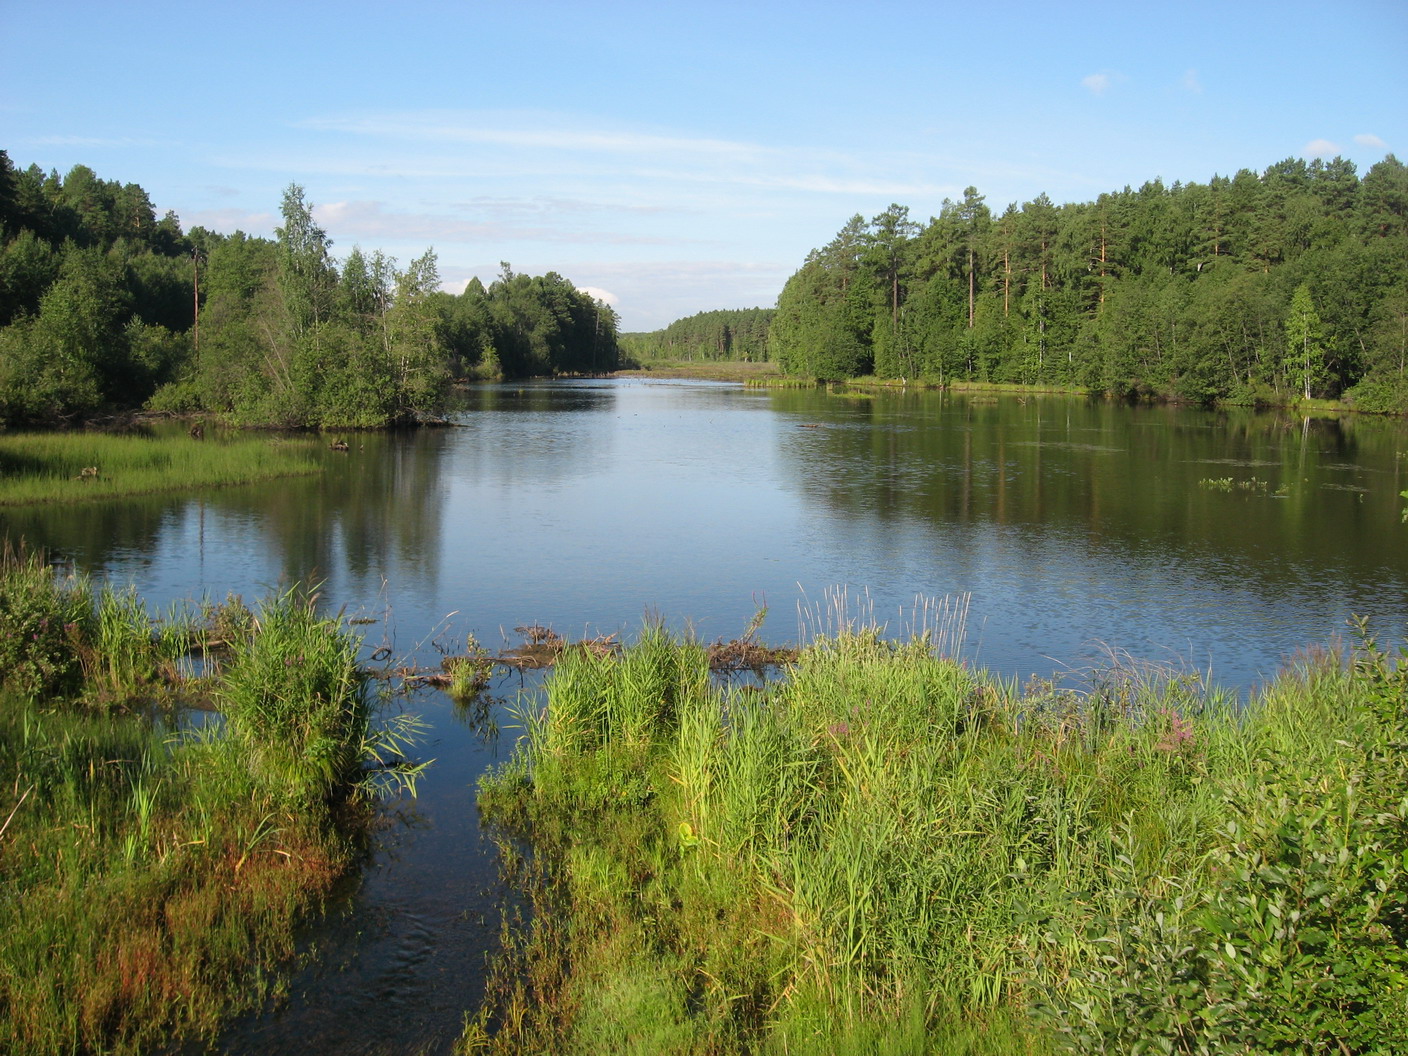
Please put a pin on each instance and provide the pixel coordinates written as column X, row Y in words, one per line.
column 87, row 466
column 152, row 873
column 886, row 850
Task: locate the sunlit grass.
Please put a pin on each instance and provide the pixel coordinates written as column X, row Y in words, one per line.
column 888, row 851
column 152, row 873
column 83, row 466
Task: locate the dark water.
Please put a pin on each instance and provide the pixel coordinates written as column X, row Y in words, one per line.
column 590, row 505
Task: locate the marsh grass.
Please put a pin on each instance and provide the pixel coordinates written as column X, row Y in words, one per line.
column 887, row 851
column 152, row 874
column 52, row 467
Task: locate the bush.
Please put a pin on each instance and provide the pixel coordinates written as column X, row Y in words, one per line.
column 1297, row 940
column 43, row 624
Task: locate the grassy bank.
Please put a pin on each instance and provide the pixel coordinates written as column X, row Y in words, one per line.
column 707, row 370
column 151, row 874
column 887, row 851
column 83, row 466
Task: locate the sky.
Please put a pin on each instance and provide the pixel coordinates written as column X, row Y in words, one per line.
column 674, row 158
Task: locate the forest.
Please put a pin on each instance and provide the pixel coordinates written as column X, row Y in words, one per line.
column 1253, row 289
column 104, row 308
column 734, row 335
column 1291, row 284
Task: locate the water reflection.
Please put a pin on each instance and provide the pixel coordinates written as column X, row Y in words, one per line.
column 588, row 505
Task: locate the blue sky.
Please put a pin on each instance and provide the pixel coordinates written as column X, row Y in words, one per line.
column 675, row 158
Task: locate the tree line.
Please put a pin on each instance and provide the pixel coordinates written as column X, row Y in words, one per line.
column 105, row 308
column 737, row 335
column 1251, row 288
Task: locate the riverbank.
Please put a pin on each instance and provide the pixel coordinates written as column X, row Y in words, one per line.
column 1312, row 408
column 887, row 851
column 86, row 465
column 703, row 370
column 153, row 869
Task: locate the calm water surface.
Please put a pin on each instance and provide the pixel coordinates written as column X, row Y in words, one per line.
column 590, row 505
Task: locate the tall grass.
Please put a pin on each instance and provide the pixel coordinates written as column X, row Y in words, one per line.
column 151, row 876
column 888, row 851
column 83, row 466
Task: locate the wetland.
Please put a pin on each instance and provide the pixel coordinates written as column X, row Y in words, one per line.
column 1077, row 532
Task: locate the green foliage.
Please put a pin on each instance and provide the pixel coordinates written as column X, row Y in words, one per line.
column 153, row 873
column 93, row 295
column 293, row 693
column 1305, row 350
column 1254, row 289
column 1293, row 934
column 739, row 335
column 886, row 851
column 42, row 620
column 103, row 307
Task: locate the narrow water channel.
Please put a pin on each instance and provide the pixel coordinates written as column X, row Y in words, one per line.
column 401, row 956
column 1221, row 541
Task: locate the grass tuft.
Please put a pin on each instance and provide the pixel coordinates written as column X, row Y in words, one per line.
column 151, row 874
column 887, row 851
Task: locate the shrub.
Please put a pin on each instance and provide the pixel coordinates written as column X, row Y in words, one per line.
column 44, row 621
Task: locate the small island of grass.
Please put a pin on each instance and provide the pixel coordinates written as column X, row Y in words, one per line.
column 85, row 466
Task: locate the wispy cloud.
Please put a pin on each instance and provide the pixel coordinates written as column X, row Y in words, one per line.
column 93, row 141
column 546, row 206
column 1097, row 83
column 564, row 147
column 1369, row 140
column 357, row 220
column 531, row 130
column 230, row 220
column 1191, row 83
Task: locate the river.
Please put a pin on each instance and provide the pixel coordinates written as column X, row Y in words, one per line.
column 1221, row 541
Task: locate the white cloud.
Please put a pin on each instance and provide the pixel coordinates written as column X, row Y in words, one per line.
column 596, row 293
column 1320, row 148
column 1098, row 83
column 1191, row 82
column 1369, row 140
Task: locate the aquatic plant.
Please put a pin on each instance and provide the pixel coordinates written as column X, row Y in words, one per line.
column 886, row 850
column 152, row 870
column 84, row 466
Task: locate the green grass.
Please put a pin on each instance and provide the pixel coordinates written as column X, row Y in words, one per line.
column 887, row 851
column 1016, row 388
column 706, row 369
column 151, row 877
column 51, row 467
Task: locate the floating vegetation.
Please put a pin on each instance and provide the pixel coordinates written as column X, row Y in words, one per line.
column 782, row 383
column 1255, row 484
